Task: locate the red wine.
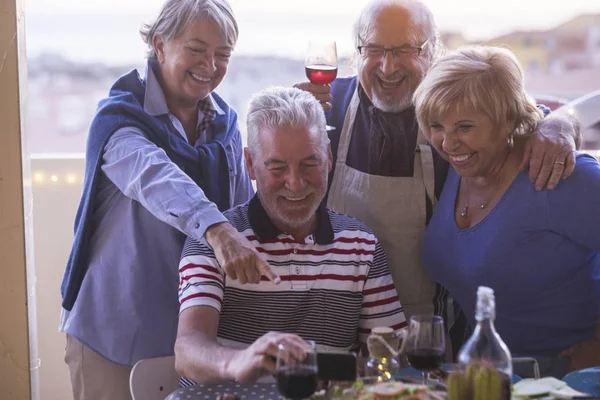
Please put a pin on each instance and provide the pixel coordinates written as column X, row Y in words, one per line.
column 297, row 381
column 321, row 74
column 425, row 359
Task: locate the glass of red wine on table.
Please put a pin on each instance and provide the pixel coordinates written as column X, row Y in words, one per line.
column 425, row 345
column 321, row 64
column 296, row 379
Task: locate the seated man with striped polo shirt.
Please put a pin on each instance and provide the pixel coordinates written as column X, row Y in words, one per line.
column 335, row 282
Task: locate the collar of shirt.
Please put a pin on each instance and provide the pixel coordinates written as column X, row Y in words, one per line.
column 155, row 102
column 265, row 230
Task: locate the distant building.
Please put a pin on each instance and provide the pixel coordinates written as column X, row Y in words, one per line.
column 62, row 95
column 576, row 44
column 453, row 40
column 572, row 45
column 531, row 48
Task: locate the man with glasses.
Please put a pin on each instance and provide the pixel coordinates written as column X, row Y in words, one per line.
column 385, row 173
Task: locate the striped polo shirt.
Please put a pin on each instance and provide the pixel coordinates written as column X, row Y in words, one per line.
column 335, row 284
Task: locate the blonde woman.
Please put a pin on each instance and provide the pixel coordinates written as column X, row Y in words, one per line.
column 539, row 250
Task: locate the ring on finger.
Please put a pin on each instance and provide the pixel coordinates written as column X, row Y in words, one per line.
column 559, row 162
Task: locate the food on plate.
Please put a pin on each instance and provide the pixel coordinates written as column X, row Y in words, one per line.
column 536, row 388
column 393, row 391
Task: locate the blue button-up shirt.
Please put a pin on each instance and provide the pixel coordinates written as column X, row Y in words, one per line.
column 127, row 307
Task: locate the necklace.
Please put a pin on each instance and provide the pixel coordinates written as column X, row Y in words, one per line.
column 465, row 211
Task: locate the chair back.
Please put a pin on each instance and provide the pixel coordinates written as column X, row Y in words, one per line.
column 153, row 378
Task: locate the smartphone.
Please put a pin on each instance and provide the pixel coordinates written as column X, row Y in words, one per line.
column 336, row 365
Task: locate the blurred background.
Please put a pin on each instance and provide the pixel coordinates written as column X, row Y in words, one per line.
column 76, row 49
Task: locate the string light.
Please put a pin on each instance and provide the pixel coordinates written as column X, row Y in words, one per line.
column 40, row 177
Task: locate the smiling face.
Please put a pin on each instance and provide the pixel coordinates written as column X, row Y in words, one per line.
column 193, row 64
column 290, row 166
column 469, row 105
column 390, row 81
column 469, row 141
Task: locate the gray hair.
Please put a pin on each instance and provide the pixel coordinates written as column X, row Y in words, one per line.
column 278, row 107
column 176, row 15
column 420, row 12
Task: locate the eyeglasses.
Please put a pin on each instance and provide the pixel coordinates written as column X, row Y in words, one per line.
column 379, row 52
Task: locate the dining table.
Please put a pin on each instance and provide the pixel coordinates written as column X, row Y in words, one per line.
column 259, row 390
column 244, row 391
column 585, row 380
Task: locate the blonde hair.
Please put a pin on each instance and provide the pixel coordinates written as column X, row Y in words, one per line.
column 481, row 79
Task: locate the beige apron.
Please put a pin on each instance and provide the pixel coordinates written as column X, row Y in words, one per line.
column 395, row 209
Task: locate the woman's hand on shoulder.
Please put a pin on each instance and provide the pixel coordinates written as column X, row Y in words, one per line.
column 237, row 256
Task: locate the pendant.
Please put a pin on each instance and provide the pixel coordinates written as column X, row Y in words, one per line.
column 465, row 211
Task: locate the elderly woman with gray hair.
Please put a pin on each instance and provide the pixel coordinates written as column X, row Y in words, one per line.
column 539, row 250
column 164, row 158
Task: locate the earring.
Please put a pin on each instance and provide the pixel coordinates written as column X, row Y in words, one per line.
column 511, row 141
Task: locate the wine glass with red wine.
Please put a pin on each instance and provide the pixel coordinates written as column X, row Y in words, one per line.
column 425, row 343
column 296, row 379
column 321, row 64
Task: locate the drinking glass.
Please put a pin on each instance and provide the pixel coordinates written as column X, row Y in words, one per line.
column 321, row 64
column 296, row 379
column 425, row 345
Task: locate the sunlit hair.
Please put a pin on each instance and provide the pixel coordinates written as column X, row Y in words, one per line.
column 278, row 107
column 176, row 15
column 477, row 79
column 425, row 28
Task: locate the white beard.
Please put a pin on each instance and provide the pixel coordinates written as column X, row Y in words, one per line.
column 391, row 106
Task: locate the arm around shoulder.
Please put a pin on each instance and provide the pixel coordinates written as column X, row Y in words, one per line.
column 567, row 125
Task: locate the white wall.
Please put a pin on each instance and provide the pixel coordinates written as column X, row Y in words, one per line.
column 54, row 205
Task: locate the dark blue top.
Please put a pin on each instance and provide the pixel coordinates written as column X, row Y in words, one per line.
column 539, row 251
column 207, row 165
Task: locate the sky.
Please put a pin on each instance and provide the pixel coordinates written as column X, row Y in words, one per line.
column 106, row 30
column 456, row 8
